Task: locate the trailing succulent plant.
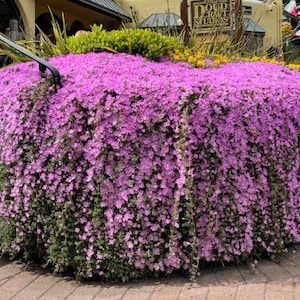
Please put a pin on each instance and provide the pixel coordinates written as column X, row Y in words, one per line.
column 136, row 168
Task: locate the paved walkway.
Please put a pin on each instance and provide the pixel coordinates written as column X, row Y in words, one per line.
column 269, row 281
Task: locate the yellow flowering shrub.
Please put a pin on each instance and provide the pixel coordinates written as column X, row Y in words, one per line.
column 294, row 66
column 200, row 59
column 204, row 60
column 286, row 29
column 202, row 56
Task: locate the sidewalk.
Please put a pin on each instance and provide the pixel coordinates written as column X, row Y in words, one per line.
column 269, row 281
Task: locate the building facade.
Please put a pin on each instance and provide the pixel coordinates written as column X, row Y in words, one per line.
column 267, row 14
column 81, row 14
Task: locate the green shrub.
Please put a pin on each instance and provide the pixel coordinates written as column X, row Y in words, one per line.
column 147, row 43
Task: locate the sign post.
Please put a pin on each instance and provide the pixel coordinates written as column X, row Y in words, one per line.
column 238, row 21
column 185, row 20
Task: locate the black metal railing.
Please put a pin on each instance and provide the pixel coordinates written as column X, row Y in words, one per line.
column 43, row 64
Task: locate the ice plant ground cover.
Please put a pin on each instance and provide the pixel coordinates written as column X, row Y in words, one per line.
column 135, row 168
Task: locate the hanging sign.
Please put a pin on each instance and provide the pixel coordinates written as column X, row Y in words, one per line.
column 210, row 14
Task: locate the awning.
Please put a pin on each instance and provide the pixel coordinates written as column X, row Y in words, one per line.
column 159, row 20
column 107, row 7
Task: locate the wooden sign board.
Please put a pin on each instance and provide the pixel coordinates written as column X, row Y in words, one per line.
column 211, row 14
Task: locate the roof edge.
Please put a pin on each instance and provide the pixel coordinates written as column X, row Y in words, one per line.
column 104, row 10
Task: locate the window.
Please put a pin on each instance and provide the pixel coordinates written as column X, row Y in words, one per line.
column 9, row 16
column 247, row 10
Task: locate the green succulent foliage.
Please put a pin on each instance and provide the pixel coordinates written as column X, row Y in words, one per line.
column 87, row 42
column 147, row 43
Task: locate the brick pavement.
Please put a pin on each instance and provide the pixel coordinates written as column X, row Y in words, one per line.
column 268, row 281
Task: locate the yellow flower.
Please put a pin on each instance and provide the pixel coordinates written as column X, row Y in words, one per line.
column 286, row 29
column 201, row 63
column 191, row 59
column 294, row 67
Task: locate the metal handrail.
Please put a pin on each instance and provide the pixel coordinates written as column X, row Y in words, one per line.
column 43, row 64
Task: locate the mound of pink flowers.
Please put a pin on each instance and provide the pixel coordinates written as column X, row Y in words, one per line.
column 135, row 168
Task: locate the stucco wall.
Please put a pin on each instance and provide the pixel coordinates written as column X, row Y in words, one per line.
column 74, row 12
column 145, row 8
column 27, row 11
column 269, row 18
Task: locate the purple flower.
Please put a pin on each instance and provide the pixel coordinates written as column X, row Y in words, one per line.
column 149, row 165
